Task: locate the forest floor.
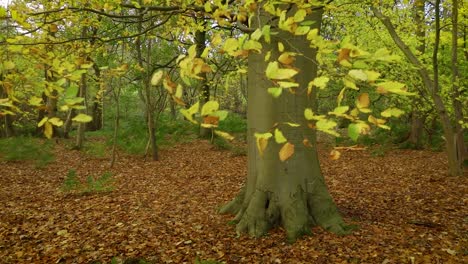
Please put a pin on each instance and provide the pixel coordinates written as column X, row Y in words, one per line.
column 407, row 208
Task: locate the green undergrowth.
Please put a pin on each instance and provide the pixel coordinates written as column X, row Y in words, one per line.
column 72, row 183
column 27, row 149
column 233, row 123
column 132, row 135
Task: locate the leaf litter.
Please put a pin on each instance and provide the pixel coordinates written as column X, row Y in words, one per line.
column 407, row 208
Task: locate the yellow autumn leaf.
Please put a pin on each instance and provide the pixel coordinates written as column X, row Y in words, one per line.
column 209, row 107
column 262, row 141
column 48, row 130
column 224, row 135
column 55, row 121
column 279, row 137
column 157, row 76
column 82, row 118
column 275, row 73
column 335, row 154
column 363, row 100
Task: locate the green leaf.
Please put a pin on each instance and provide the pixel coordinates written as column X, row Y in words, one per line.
column 253, row 45
column 288, row 84
column 275, row 91
column 55, row 121
column 224, row 135
column 392, row 112
column 321, row 82
column 73, row 101
column 230, row 45
column 372, row 75
column 82, row 118
column 188, row 115
column 353, row 131
column 256, row 35
column 340, row 110
column 358, row 75
column 42, row 122
column 300, row 15
column 360, row 65
column 309, row 114
column 35, row 101
column 222, row 114
column 209, row 108
column 279, row 137
column 71, row 91
column 327, row 126
column 275, row 73
column 393, row 87
column 301, row 30
column 266, row 33
column 8, row 65
column 349, row 83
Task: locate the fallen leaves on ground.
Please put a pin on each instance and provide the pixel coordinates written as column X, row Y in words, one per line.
column 407, row 208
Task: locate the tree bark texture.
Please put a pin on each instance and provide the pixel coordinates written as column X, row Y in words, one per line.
column 291, row 194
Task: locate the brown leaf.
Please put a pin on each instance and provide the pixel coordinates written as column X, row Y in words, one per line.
column 286, row 151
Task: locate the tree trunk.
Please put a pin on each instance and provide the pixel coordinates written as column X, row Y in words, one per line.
column 293, row 193
column 456, row 94
column 81, row 125
column 417, row 118
column 200, row 39
column 96, row 123
column 68, row 123
column 417, row 128
column 146, row 86
column 9, row 130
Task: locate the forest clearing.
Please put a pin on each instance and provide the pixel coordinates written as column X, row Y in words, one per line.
column 406, row 208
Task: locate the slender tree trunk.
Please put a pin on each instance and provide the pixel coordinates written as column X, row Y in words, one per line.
column 456, row 94
column 417, row 117
column 432, row 87
column 293, row 193
column 96, row 123
column 81, row 126
column 147, row 88
column 200, row 40
column 68, row 123
column 9, row 130
column 116, row 125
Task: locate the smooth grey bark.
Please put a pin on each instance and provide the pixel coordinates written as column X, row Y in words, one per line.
column 291, row 194
column 432, row 87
